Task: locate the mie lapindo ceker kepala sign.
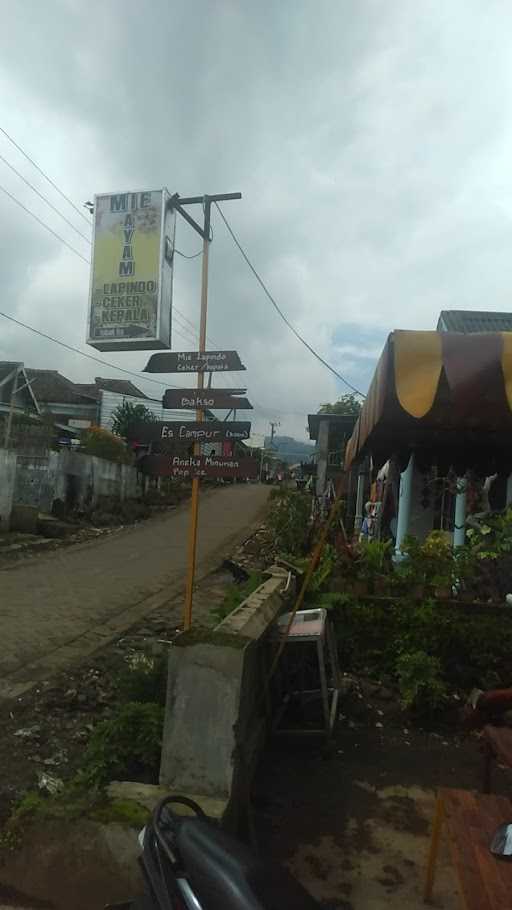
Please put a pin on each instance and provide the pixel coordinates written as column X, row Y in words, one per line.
column 194, row 362
column 132, row 271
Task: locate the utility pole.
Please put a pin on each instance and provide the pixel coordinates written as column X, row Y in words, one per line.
column 273, row 426
column 178, row 202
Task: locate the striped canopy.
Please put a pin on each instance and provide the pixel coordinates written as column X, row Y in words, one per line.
column 444, row 395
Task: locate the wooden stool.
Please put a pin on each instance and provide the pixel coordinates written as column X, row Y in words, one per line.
column 485, row 882
column 311, row 628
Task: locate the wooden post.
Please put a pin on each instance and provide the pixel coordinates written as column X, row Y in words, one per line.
column 194, row 505
column 178, row 202
column 434, row 848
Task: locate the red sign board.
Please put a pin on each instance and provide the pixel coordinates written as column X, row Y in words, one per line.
column 200, row 466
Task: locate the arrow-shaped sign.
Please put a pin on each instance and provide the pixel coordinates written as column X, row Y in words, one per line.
column 194, row 362
column 195, row 399
column 187, row 432
column 199, row 466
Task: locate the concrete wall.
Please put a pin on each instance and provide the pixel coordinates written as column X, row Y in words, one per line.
column 215, row 720
column 7, row 480
column 75, row 479
column 84, row 478
column 35, row 480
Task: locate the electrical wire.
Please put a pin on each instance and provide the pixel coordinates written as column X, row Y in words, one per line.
column 43, row 223
column 191, row 333
column 44, row 198
column 46, row 177
column 279, row 310
column 61, row 215
column 260, row 408
column 194, row 256
column 70, row 347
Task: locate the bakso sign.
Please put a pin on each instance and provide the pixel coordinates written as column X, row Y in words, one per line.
column 131, row 274
column 201, row 399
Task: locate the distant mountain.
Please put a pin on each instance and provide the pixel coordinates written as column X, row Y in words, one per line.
column 289, row 449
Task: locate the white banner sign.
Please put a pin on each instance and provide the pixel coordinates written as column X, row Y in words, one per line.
column 131, row 275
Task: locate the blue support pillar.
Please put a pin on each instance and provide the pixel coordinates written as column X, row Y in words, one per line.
column 404, row 506
column 459, row 531
column 509, row 490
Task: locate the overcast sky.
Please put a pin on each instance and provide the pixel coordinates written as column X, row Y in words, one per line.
column 371, row 141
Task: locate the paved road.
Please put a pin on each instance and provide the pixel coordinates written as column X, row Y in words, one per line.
column 61, row 606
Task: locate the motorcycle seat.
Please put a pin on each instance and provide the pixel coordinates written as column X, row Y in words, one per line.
column 226, row 875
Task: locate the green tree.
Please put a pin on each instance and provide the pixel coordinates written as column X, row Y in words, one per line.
column 103, row 444
column 128, row 413
column 347, row 404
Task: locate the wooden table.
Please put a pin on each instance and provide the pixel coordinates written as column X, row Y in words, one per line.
column 470, row 819
column 497, row 744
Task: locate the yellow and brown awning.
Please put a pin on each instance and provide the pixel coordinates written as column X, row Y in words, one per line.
column 444, row 395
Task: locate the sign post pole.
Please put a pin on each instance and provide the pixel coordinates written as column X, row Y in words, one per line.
column 178, row 203
column 194, row 505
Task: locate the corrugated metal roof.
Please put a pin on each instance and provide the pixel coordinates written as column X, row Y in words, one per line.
column 50, row 386
column 7, row 367
column 470, row 321
column 121, row 386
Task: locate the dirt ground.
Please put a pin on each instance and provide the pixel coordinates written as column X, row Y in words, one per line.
column 353, row 823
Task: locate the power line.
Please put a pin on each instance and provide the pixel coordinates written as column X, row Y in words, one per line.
column 279, row 310
column 44, row 198
column 87, row 261
column 70, row 347
column 43, row 223
column 194, row 255
column 46, row 177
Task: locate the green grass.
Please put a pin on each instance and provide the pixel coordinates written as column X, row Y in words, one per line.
column 235, row 595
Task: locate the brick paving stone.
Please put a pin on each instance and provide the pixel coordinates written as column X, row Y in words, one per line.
column 60, row 606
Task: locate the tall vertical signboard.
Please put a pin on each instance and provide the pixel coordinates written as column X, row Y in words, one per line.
column 132, row 270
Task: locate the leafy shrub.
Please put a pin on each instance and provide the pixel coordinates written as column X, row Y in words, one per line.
column 127, row 414
column 473, row 645
column 143, row 679
column 432, row 562
column 125, row 746
column 288, row 520
column 375, row 557
column 99, row 442
column 235, row 595
column 419, row 676
column 323, row 571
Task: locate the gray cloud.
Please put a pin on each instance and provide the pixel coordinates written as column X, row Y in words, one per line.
column 371, row 142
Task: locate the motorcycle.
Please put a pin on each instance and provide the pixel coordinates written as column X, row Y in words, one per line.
column 190, row 863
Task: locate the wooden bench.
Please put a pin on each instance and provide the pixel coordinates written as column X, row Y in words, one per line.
column 470, row 820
